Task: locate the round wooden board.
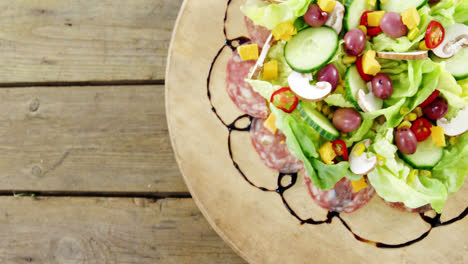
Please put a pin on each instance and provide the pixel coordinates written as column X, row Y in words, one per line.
column 255, row 223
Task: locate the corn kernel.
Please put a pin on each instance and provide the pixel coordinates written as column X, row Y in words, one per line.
column 363, row 28
column 349, row 59
column 412, row 116
column 426, row 173
column 326, row 110
column 413, row 33
column 339, row 89
column 343, row 83
column 422, row 45
column 371, row 2
column 368, row 37
column 319, row 105
column 330, row 116
column 381, row 119
column 343, row 134
column 453, row 140
column 418, row 111
column 380, row 160
column 404, row 110
column 405, row 123
column 359, row 149
column 412, row 175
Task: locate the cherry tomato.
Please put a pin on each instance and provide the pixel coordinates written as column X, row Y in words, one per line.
column 339, row 146
column 363, row 21
column 285, row 99
column 435, row 34
column 373, row 31
column 365, row 77
column 431, row 98
column 421, row 129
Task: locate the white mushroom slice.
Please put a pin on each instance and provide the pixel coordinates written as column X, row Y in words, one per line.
column 300, row 85
column 413, row 55
column 361, row 164
column 457, row 126
column 257, row 68
column 456, row 38
column 335, row 20
column 368, row 102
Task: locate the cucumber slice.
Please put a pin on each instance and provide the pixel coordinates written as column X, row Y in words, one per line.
column 354, row 82
column 310, row 49
column 427, row 155
column 456, row 65
column 354, row 10
column 318, row 121
column 399, row 6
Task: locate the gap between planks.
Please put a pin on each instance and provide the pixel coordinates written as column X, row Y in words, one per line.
column 147, row 195
column 82, row 83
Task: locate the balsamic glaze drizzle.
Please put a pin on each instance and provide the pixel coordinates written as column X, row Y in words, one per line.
column 434, row 222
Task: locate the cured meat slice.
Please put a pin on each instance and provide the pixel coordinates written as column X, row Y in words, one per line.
column 402, row 207
column 272, row 148
column 257, row 34
column 341, row 198
column 240, row 92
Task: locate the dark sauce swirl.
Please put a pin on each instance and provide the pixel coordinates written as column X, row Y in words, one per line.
column 433, row 222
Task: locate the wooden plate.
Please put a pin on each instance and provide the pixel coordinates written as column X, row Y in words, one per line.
column 256, row 223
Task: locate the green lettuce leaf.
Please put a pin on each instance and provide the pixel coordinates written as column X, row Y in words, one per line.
column 390, row 180
column 338, row 100
column 269, row 15
column 277, row 53
column 461, row 13
column 451, row 170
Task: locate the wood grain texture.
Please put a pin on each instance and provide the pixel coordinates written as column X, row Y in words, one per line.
column 86, row 139
column 107, row 230
column 92, row 40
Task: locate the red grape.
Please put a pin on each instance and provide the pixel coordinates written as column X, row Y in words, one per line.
column 315, row 17
column 382, row 86
column 330, row 74
column 406, row 141
column 392, row 25
column 436, row 109
column 354, row 42
column 346, row 119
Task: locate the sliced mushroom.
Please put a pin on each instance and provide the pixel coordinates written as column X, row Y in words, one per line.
column 335, row 20
column 368, row 102
column 456, row 38
column 300, row 85
column 257, row 68
column 361, row 164
column 457, row 126
column 413, row 55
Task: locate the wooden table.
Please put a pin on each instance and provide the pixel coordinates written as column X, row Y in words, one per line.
column 88, row 174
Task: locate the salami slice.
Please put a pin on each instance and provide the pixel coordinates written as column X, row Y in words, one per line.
column 402, row 207
column 240, row 92
column 341, row 198
column 257, row 34
column 272, row 148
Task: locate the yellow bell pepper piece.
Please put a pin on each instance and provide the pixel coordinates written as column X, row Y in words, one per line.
column 248, row 52
column 374, row 18
column 411, row 18
column 438, row 136
column 284, row 30
column 359, row 184
column 270, row 70
column 327, row 154
column 327, row 5
column 270, row 123
column 369, row 64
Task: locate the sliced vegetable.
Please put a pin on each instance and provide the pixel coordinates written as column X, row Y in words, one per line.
column 435, row 34
column 457, row 125
column 284, row 99
column 339, row 146
column 399, row 6
column 457, row 65
column 300, row 84
column 354, row 83
column 354, row 10
column 412, row 55
column 426, row 156
column 318, row 121
column 365, row 77
column 431, row 98
column 359, row 162
column 456, row 37
column 374, row 31
column 421, row 128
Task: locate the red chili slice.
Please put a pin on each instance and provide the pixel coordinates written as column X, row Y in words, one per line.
column 435, row 34
column 363, row 21
column 421, row 129
column 339, row 146
column 373, row 31
column 431, row 98
column 285, row 99
column 365, row 77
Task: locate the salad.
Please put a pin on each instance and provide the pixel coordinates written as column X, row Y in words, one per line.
column 371, row 94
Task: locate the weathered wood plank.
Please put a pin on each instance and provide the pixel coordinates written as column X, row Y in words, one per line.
column 93, row 40
column 107, row 230
column 86, row 139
